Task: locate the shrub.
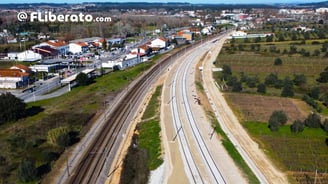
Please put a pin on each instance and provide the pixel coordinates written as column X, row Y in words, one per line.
column 59, row 137
column 277, row 61
column 299, row 79
column 83, row 79
column 277, row 119
column 261, row 88
column 297, row 126
column 310, row 101
column 313, row 121
column 325, row 125
column 11, row 108
column 26, row 171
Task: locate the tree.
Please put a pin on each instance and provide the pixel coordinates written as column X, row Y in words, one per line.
column 237, row 87
column 83, row 79
column 269, row 38
column 59, row 137
column 252, row 81
column 323, row 76
column 231, row 80
column 261, row 88
column 299, row 79
column 277, row 119
column 226, row 72
column 281, row 37
column 313, row 121
column 325, row 125
column 271, row 79
column 277, row 61
column 257, row 39
column 316, row 52
column 26, row 171
column 287, row 90
column 11, row 108
column 315, row 92
column 292, row 49
column 297, row 126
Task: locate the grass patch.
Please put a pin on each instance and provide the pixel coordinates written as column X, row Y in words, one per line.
column 149, row 131
column 232, row 151
column 153, row 105
column 144, row 153
column 149, row 139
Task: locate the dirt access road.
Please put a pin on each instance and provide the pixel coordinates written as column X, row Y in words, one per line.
column 235, row 131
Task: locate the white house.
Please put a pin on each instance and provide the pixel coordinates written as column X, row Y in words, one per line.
column 239, row 34
column 27, row 55
column 15, row 77
column 160, row 42
column 78, row 47
column 207, row 30
column 141, row 50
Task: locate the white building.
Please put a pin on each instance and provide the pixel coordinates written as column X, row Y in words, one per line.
column 61, row 46
column 160, row 42
column 78, row 47
column 322, row 10
column 27, row 55
column 238, row 34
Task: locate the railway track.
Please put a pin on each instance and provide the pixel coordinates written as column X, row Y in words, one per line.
column 92, row 164
column 209, row 163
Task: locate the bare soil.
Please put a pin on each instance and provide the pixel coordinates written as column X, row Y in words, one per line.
column 259, row 108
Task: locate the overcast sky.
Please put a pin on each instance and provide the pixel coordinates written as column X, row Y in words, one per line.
column 189, row 1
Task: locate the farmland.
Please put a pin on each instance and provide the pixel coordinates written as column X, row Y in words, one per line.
column 246, row 66
column 259, row 108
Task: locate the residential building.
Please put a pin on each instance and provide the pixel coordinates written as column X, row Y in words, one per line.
column 13, row 78
column 160, row 42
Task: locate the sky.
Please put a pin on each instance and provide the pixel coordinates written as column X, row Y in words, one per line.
column 189, row 1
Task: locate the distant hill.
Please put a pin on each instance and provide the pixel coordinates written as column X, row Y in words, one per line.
column 138, row 5
column 171, row 5
column 319, row 4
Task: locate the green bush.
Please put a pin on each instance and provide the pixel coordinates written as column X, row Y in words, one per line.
column 26, row 171
column 59, row 137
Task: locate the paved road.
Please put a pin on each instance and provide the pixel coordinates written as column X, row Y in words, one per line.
column 188, row 130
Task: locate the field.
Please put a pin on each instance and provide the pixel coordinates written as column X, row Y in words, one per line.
column 259, row 108
column 304, row 156
column 262, row 65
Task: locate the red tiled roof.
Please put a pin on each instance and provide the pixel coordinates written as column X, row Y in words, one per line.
column 82, row 44
column 23, row 67
column 57, row 43
column 145, row 47
column 163, row 39
column 12, row 73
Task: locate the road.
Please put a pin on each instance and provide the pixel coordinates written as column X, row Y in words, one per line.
column 261, row 166
column 193, row 156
